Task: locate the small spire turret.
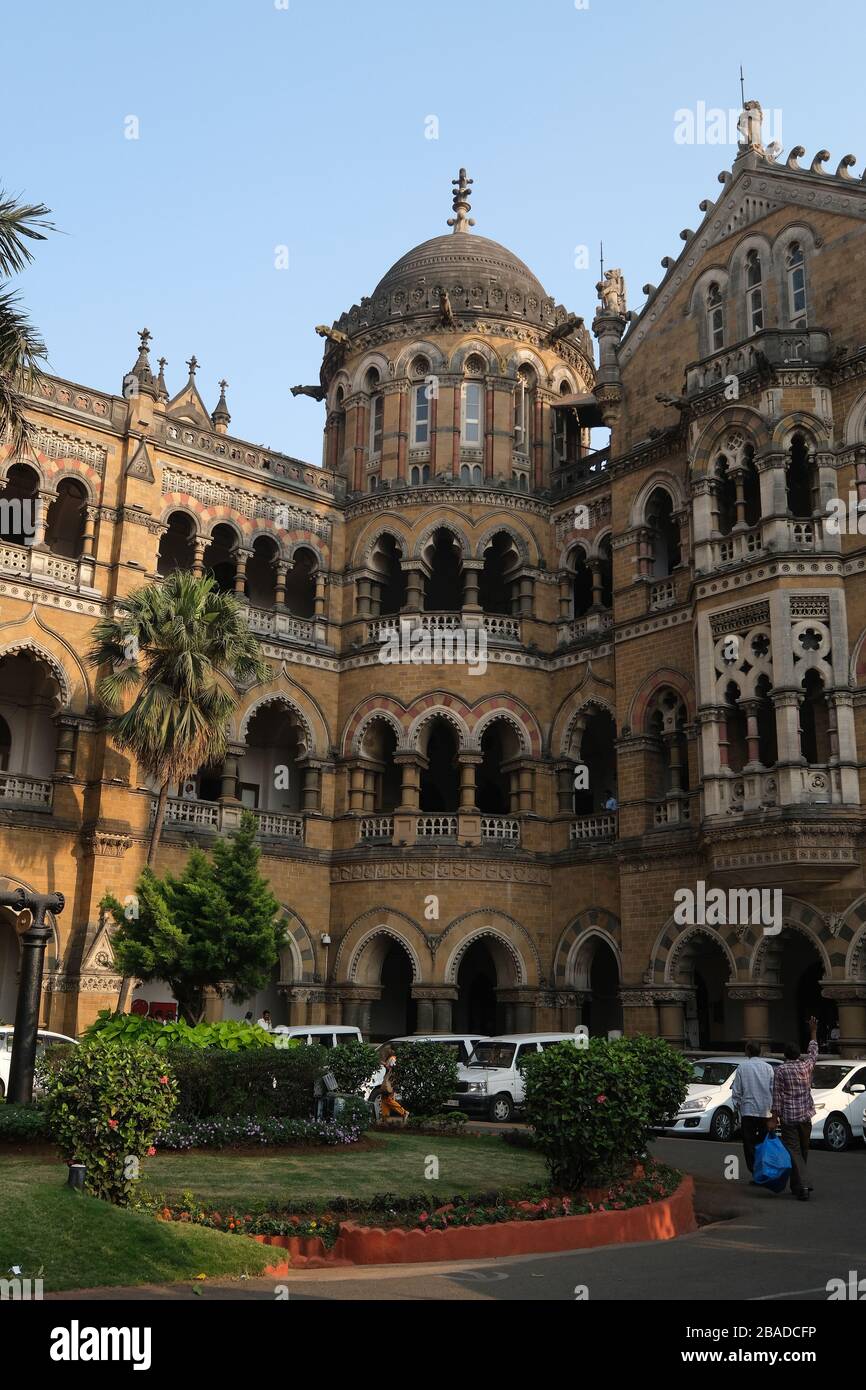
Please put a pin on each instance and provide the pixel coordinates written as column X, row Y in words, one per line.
column 461, row 205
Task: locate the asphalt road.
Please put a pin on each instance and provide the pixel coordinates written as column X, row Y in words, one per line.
column 753, row 1246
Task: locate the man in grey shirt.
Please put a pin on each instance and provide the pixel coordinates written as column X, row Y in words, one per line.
column 752, row 1093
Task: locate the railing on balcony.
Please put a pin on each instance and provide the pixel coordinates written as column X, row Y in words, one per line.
column 675, row 811
column 376, row 828
column 498, row 627
column 740, row 545
column 582, row 628
column 663, row 594
column 279, row 625
column 593, row 828
column 29, row 562
column 787, row 347
column 500, row 829
column 217, row 815
column 436, row 828
column 34, row 792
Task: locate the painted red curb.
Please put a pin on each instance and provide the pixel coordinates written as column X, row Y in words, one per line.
column 363, row 1245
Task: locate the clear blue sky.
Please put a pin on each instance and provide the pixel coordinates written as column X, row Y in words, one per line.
column 304, row 126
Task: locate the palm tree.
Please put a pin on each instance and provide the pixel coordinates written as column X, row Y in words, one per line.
column 21, row 347
column 179, row 647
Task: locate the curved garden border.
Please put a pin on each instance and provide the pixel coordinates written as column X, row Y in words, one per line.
column 364, row 1245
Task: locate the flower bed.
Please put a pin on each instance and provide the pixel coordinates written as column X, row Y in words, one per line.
column 654, row 1204
column 223, row 1131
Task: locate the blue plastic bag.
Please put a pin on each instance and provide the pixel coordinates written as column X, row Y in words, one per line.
column 772, row 1164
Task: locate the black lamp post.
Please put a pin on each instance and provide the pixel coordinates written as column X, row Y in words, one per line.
column 33, row 943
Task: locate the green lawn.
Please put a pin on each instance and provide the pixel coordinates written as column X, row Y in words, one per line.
column 396, row 1164
column 80, row 1242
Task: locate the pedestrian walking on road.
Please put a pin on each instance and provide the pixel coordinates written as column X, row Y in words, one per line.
column 389, row 1104
column 752, row 1093
column 793, row 1108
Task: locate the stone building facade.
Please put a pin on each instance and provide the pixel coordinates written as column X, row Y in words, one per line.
column 644, row 670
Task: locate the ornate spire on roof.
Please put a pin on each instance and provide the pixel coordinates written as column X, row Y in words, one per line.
column 221, row 417
column 161, row 388
column 461, row 204
column 192, row 364
column 142, row 370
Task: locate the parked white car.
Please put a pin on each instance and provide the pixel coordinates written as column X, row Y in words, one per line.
column 708, row 1107
column 839, row 1093
column 491, row 1085
column 461, row 1044
column 44, row 1039
column 324, row 1034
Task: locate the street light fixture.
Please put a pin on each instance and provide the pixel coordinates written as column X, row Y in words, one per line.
column 33, row 943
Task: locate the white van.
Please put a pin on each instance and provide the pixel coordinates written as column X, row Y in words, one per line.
column 461, row 1044
column 491, row 1085
column 43, row 1039
column 324, row 1034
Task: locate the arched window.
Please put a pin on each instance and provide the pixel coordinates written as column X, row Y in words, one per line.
column 715, row 318
column 377, row 414
column 340, row 426
column 795, row 267
column 443, row 587
column 220, row 558
column 605, row 551
column 497, row 579
column 177, row 545
column 301, row 584
column 768, row 748
column 419, row 473
column 67, row 520
column 754, row 293
column 737, row 729
column 471, row 426
column 664, row 534
column 726, row 497
column 20, row 505
column 814, row 721
column 420, row 416
column 526, row 382
column 581, row 584
column 389, row 586
column 667, row 721
column 472, row 474
column 566, row 432
column 440, row 779
column 262, row 572
column 800, row 479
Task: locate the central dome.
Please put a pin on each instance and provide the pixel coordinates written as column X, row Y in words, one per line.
column 459, row 257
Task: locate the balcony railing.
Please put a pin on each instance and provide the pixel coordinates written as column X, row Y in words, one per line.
column 376, row 828
column 500, row 829
column 34, row 792
column 674, row 811
column 436, row 828
column 498, row 627
column 580, row 629
column 593, row 828
column 218, row 815
column 740, row 545
column 789, row 347
column 279, row 625
column 29, row 562
column 663, row 594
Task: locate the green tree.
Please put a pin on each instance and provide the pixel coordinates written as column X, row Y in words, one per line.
column 214, row 927
column 180, row 648
column 21, row 347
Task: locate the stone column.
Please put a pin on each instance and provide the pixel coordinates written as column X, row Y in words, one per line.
column 410, row 795
column 64, row 755
column 311, row 788
column 739, row 481
column 468, row 763
column 424, row 1000
column 790, row 761
column 321, row 598
column 842, row 705
column 753, row 753
column 850, row 999
column 88, row 540
column 280, row 586
column 365, row 597
column 565, row 788
column 198, row 557
column 414, row 587
column 565, row 601
column 241, row 572
column 471, row 579
column 356, row 788
column 675, row 769
column 229, row 774
column 443, row 1008
column 756, row 1000
column 526, row 595
column 672, row 1015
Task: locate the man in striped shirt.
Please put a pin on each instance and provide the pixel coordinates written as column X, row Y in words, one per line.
column 793, row 1107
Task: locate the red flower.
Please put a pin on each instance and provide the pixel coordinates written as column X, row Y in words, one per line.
column 601, row 1100
column 163, row 1081
column 424, row 1216
column 151, row 1151
column 112, row 1124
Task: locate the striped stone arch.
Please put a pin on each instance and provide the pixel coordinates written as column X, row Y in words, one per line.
column 858, row 661
column 366, row 542
column 301, row 540
column 593, row 922
column 297, row 956
column 812, row 924
column 802, row 422
column 852, row 936
column 176, row 510
column 376, row 706
column 505, row 930
column 377, row 922
column 567, row 717
column 674, row 938
column 434, row 707
column 445, row 522
column 643, row 696
column 63, row 470
column 521, row 719
column 524, row 541
column 27, row 646
column 310, row 745
column 710, row 442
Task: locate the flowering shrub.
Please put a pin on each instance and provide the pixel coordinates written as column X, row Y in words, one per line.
column 105, row 1106
column 223, row 1130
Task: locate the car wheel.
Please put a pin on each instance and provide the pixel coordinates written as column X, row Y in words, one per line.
column 722, row 1125
column 501, row 1109
column 837, row 1133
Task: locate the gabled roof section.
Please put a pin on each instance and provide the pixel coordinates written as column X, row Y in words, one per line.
column 188, row 404
column 758, row 185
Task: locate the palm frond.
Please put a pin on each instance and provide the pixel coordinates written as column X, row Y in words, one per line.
column 20, row 223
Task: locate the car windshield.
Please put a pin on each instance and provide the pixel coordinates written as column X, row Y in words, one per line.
column 712, row 1073
column 493, row 1055
column 827, row 1077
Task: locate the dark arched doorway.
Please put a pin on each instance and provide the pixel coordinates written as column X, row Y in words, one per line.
column 394, row 1014
column 476, row 1010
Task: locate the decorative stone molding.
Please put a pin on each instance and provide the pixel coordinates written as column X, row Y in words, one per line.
column 473, row 871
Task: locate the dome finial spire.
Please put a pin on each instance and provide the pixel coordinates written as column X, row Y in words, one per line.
column 461, row 204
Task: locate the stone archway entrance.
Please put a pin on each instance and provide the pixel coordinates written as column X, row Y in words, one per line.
column 477, row 1009
column 794, row 966
column 712, row 1018
column 380, row 996
column 597, row 980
